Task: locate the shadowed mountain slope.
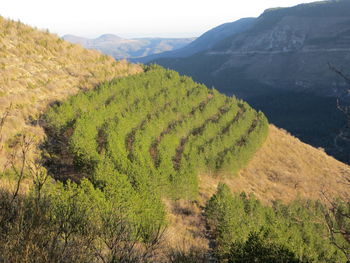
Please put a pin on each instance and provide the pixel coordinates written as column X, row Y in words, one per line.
column 205, row 41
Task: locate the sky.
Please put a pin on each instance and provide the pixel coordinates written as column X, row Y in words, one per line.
column 134, row 18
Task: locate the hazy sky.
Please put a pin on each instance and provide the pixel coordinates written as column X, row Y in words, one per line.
column 134, row 18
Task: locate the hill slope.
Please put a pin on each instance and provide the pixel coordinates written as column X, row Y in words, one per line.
column 121, row 48
column 38, row 68
column 285, row 168
column 205, row 41
column 280, row 65
column 137, row 141
column 171, row 146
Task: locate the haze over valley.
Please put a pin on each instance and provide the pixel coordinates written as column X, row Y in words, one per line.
column 121, row 48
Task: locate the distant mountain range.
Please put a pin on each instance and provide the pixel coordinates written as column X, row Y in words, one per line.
column 121, row 48
column 279, row 63
column 205, row 41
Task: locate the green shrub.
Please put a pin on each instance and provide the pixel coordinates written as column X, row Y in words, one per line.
column 244, row 230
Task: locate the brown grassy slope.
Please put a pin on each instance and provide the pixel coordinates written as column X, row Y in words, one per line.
column 284, row 168
column 37, row 67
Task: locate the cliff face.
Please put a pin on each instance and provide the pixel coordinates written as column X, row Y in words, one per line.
column 281, row 65
column 292, row 54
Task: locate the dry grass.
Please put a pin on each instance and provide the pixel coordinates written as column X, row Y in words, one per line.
column 37, row 67
column 9, row 184
column 286, row 168
column 186, row 224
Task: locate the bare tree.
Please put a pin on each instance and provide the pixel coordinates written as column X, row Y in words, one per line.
column 338, row 215
column 343, row 108
column 338, row 224
column 3, row 119
column 123, row 242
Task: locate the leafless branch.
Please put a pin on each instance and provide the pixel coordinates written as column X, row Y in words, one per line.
column 2, row 122
column 334, row 218
column 18, row 160
column 338, row 72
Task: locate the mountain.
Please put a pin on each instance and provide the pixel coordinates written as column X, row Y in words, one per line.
column 127, row 159
column 121, row 48
column 281, row 66
column 103, row 39
column 39, row 68
column 205, row 41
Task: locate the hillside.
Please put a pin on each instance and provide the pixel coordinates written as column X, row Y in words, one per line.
column 131, row 49
column 280, row 66
column 38, row 68
column 307, row 172
column 205, row 41
column 132, row 166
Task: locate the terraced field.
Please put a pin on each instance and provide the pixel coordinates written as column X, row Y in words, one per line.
column 158, row 129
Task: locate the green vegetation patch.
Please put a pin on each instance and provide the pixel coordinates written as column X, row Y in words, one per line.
column 141, row 138
column 159, row 129
column 244, row 230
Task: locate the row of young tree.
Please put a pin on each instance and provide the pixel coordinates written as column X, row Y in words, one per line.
column 131, row 139
column 159, row 129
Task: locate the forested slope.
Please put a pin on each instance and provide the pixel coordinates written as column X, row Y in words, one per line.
column 158, row 128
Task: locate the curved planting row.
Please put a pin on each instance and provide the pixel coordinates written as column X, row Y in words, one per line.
column 159, row 130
